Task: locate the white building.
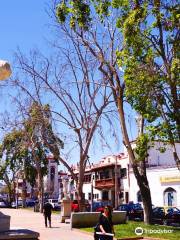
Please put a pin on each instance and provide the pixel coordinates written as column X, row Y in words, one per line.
column 162, row 173
column 163, row 177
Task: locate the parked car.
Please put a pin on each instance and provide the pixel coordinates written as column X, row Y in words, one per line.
column 55, row 203
column 134, row 210
column 3, row 204
column 99, row 206
column 75, row 206
column 166, row 215
column 14, row 204
column 30, row 202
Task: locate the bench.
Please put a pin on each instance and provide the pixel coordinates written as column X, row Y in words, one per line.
column 90, row 219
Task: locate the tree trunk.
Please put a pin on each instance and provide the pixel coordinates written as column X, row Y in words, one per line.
column 80, row 189
column 40, row 191
column 142, row 182
column 10, row 192
column 146, row 198
column 139, row 170
column 40, row 185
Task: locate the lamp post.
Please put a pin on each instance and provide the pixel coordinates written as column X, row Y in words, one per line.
column 116, row 183
column 5, row 70
column 92, row 194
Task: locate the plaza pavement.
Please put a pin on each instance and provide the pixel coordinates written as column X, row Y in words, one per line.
column 27, row 219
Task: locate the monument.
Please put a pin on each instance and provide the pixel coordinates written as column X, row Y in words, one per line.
column 66, row 202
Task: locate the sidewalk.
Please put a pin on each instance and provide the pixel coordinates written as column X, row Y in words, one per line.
column 27, row 219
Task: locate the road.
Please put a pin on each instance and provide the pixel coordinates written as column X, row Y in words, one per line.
column 27, row 219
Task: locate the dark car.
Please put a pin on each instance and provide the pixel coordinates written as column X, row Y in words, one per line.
column 134, row 211
column 100, row 205
column 97, row 207
column 166, row 215
column 30, row 203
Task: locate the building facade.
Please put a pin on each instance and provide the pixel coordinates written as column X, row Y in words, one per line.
column 162, row 173
column 163, row 177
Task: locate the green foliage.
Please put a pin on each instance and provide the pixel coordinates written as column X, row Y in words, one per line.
column 23, row 148
column 149, row 55
column 77, row 11
column 142, row 146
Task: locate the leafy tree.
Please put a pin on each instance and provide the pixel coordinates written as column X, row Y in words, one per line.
column 144, row 59
column 12, row 153
column 26, row 150
column 151, row 64
column 40, row 141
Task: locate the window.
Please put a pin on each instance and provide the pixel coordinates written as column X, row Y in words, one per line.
column 96, row 196
column 121, row 195
column 87, row 178
column 123, row 172
column 170, row 197
column 105, row 195
column 101, row 175
column 89, row 196
column 106, row 174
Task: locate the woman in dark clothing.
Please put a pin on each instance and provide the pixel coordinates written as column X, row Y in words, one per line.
column 106, row 225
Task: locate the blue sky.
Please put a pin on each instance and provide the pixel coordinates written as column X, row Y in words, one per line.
column 23, row 24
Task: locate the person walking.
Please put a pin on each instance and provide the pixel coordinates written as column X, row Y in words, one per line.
column 106, row 224
column 47, row 210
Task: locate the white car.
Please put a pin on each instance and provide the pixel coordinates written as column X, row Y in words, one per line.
column 14, row 204
column 2, row 204
column 55, row 203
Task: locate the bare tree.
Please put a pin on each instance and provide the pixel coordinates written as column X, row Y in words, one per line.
column 71, row 83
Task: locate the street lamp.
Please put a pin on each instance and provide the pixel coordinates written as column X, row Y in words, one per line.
column 116, row 182
column 5, row 70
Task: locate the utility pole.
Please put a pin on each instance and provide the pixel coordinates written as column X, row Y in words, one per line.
column 116, row 183
column 92, row 193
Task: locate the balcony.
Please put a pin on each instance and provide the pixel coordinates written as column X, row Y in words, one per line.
column 106, row 183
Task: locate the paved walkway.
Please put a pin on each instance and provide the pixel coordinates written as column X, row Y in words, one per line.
column 35, row 221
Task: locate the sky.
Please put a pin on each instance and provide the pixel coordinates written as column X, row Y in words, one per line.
column 24, row 24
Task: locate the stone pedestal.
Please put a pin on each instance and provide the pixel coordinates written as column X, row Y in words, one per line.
column 65, row 210
column 19, row 234
column 4, row 222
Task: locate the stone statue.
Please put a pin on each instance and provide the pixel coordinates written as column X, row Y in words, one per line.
column 65, row 188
